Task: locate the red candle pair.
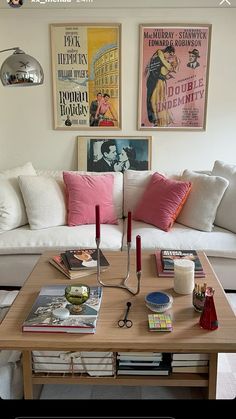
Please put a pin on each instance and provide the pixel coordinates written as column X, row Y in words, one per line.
column 97, row 216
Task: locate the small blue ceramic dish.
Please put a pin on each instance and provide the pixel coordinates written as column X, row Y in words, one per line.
column 158, row 301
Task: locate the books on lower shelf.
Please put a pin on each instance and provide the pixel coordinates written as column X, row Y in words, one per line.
column 41, row 318
column 84, row 259
column 197, row 369
column 169, row 271
column 189, row 356
column 144, row 367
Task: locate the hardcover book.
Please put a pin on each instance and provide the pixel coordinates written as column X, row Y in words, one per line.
column 168, row 256
column 58, row 263
column 85, row 259
column 169, row 273
column 42, row 319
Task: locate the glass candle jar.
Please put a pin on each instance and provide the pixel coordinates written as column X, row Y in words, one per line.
column 183, row 276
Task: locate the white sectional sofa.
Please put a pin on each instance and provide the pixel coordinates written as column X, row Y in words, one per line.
column 21, row 247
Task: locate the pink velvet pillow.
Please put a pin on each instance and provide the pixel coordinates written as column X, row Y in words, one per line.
column 84, row 192
column 162, row 201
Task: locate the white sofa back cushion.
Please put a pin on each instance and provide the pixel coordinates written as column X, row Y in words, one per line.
column 200, row 208
column 225, row 215
column 45, row 201
column 12, row 208
column 117, row 189
column 135, row 183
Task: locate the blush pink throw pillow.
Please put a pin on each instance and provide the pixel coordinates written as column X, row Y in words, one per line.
column 162, row 201
column 84, row 192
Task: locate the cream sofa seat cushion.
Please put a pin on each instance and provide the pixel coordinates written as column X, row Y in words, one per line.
column 217, row 243
column 225, row 215
column 12, row 208
column 45, row 201
column 24, row 240
column 200, row 208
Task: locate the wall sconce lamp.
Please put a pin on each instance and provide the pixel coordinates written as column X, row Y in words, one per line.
column 20, row 69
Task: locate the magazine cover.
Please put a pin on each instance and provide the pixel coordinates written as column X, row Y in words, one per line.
column 85, row 259
column 50, row 298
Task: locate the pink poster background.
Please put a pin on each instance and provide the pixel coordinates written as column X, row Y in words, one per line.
column 185, row 91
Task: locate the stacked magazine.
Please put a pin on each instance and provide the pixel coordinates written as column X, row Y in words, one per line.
column 143, row 363
column 165, row 262
column 42, row 318
column 78, row 263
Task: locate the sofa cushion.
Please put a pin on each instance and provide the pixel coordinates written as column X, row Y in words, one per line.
column 135, row 183
column 162, row 201
column 225, row 215
column 84, row 192
column 12, row 208
column 117, row 188
column 44, row 199
column 200, row 208
column 217, row 243
column 23, row 240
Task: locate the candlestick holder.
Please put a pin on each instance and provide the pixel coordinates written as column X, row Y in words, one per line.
column 123, row 284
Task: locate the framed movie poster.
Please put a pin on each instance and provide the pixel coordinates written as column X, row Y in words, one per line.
column 86, row 76
column 173, row 76
column 114, row 154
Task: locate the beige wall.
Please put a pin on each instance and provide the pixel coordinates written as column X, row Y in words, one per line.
column 26, row 125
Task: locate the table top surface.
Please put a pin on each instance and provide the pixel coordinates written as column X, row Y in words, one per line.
column 187, row 335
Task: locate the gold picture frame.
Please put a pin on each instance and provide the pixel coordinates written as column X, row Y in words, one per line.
column 86, row 76
column 121, row 153
column 173, row 76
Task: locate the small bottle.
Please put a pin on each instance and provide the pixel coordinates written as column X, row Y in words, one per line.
column 183, row 276
column 208, row 319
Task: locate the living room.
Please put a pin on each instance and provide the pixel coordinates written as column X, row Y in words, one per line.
column 28, row 131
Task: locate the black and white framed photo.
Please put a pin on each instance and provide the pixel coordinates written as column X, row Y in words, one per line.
column 114, row 154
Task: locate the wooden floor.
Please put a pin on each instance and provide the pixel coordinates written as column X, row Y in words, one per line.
column 226, row 384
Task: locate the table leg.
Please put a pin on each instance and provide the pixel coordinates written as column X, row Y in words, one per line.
column 27, row 375
column 212, row 376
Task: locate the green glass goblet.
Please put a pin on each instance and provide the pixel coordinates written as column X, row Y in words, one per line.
column 77, row 295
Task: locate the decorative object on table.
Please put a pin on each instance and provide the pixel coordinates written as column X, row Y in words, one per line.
column 77, row 295
column 158, row 301
column 131, row 153
column 208, row 319
column 173, row 76
column 183, row 276
column 126, row 322
column 86, row 67
column 45, row 317
column 160, row 323
column 123, row 284
column 199, row 296
column 169, row 273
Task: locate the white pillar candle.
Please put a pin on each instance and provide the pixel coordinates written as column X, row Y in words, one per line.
column 183, row 276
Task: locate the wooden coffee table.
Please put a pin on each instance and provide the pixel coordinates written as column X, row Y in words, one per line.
column 187, row 336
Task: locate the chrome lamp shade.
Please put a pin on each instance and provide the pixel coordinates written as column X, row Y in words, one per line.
column 21, row 69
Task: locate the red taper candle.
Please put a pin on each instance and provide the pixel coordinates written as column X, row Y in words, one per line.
column 129, row 227
column 138, row 254
column 97, row 212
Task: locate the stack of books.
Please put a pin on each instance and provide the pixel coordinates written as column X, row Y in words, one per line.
column 42, row 318
column 165, row 262
column 143, row 363
column 78, row 263
column 190, row 363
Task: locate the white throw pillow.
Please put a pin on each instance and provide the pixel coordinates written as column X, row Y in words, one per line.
column 200, row 208
column 44, row 199
column 12, row 208
column 225, row 215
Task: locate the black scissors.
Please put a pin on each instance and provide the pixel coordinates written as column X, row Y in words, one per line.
column 125, row 321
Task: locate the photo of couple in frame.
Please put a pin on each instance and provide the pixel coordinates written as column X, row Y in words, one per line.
column 114, row 154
